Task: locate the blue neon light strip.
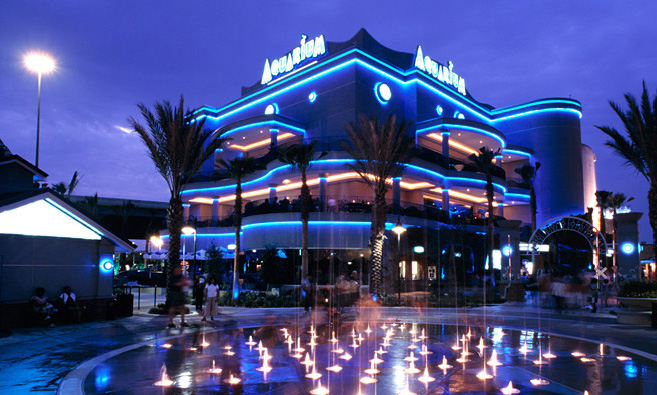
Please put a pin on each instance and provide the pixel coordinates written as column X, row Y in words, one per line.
column 487, row 115
column 536, row 103
column 519, row 195
column 516, row 152
column 264, row 123
column 476, row 130
column 522, row 114
column 283, row 167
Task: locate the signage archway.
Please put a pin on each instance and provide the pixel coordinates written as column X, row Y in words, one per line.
column 583, row 227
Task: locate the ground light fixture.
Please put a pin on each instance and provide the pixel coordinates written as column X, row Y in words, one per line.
column 39, row 63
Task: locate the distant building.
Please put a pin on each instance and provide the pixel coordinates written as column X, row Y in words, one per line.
column 312, row 92
column 45, row 241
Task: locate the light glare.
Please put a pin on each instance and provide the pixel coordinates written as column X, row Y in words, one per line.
column 40, row 63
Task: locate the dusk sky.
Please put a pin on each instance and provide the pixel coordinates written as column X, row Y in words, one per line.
column 112, row 55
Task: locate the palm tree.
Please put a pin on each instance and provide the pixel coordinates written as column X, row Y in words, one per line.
column 381, row 150
column 178, row 147
column 67, row 190
column 484, row 162
column 239, row 168
column 639, row 148
column 301, row 157
column 603, row 200
column 528, row 174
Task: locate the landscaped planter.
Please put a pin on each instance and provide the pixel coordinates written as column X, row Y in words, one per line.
column 638, row 311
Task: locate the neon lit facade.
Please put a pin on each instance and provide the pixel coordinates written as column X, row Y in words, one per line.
column 314, row 100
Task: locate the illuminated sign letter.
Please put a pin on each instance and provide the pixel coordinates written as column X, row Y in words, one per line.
column 439, row 72
column 419, row 59
column 266, row 74
column 307, row 49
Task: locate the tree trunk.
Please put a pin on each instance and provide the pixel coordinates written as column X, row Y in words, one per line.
column 174, row 226
column 238, row 230
column 532, row 205
column 652, row 211
column 376, row 243
column 305, row 215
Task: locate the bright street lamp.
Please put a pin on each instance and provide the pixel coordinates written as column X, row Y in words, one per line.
column 188, row 230
column 39, row 63
column 156, row 241
column 399, row 229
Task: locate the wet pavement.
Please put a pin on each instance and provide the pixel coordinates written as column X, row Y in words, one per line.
column 36, row 360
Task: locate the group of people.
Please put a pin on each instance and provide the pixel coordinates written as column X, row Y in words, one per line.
column 66, row 304
column 343, row 294
column 571, row 292
column 203, row 291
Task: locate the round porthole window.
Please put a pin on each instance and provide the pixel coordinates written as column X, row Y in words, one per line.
column 382, row 92
column 271, row 109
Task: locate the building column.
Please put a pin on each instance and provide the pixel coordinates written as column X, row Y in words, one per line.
column 445, row 134
column 323, row 183
column 396, row 195
column 500, row 209
column 509, row 232
column 273, row 137
column 272, row 193
column 186, row 212
column 628, row 261
column 215, row 211
column 446, row 197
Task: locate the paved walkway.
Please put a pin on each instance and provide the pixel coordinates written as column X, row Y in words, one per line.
column 37, row 359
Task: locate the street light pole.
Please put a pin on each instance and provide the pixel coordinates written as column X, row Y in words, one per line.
column 399, row 229
column 40, row 64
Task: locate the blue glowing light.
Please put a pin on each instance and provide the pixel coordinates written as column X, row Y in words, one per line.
column 106, row 265
column 627, row 248
column 418, row 249
column 516, row 152
column 273, row 125
column 439, row 109
column 382, row 92
column 507, row 250
column 479, row 111
column 312, row 96
column 463, row 127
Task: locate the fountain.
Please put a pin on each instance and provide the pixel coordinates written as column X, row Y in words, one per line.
column 509, row 390
column 164, row 379
column 319, row 390
column 444, row 365
column 214, row 370
column 493, row 362
column 425, row 378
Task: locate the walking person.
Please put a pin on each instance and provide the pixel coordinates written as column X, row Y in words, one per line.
column 177, row 295
column 211, row 293
column 199, row 291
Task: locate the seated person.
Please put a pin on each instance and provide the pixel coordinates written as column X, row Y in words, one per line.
column 68, row 304
column 40, row 305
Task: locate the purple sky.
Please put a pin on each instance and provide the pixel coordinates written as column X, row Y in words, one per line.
column 112, row 55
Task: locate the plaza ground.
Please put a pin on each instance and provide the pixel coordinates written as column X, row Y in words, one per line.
column 37, row 359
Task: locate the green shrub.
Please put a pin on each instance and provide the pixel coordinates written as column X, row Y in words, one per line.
column 257, row 299
column 638, row 289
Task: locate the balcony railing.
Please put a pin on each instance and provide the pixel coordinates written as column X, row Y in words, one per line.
column 342, row 204
column 335, row 144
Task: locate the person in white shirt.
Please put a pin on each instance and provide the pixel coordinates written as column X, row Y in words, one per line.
column 68, row 303
column 211, row 293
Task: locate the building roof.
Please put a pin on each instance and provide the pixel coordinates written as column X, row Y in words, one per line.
column 7, row 159
column 43, row 212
